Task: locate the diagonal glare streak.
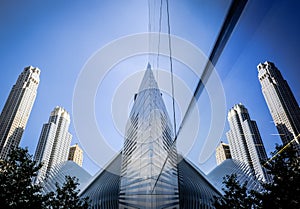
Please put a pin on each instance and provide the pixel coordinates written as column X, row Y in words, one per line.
column 232, row 17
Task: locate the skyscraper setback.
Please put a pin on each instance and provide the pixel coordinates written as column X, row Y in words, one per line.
column 54, row 143
column 281, row 102
column 16, row 111
column 245, row 141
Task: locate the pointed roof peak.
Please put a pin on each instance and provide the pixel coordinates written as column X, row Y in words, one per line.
column 148, row 66
column 148, row 81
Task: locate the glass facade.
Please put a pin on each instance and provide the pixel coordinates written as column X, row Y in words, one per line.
column 230, row 166
column 103, row 189
column 196, row 191
column 58, row 173
column 147, row 181
column 148, row 173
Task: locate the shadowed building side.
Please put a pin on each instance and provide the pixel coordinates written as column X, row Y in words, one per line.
column 104, row 188
column 195, row 189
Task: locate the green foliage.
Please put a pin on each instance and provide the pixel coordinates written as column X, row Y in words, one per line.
column 67, row 196
column 235, row 196
column 18, row 192
column 282, row 193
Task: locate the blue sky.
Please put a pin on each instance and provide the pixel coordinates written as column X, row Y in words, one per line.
column 60, row 36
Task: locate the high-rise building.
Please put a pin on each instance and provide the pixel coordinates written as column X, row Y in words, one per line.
column 148, row 173
column 222, row 153
column 54, row 143
column 16, row 111
column 281, row 102
column 148, row 142
column 245, row 141
column 76, row 154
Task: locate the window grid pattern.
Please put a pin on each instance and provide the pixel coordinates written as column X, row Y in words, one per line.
column 281, row 102
column 148, row 142
column 16, row 111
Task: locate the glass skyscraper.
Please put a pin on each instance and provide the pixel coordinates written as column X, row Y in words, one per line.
column 148, row 172
column 282, row 104
column 54, row 143
column 146, row 179
column 16, row 111
column 245, row 141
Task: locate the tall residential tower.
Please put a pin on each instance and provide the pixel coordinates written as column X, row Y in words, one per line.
column 16, row 111
column 54, row 143
column 282, row 104
column 245, row 141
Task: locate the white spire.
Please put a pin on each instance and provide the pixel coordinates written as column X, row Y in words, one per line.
column 148, row 81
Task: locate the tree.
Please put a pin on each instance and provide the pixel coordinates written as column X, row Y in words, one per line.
column 235, row 196
column 18, row 191
column 67, row 196
column 282, row 193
